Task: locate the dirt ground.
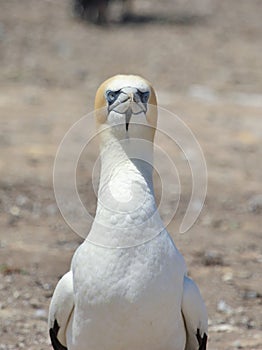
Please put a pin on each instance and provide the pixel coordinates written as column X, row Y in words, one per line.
column 203, row 58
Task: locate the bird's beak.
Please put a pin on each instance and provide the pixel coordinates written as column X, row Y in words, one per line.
column 129, row 111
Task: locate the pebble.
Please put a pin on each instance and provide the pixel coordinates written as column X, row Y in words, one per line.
column 14, row 210
column 227, row 277
column 253, row 342
column 228, row 328
column 247, row 322
column 255, row 204
column 207, row 220
column 250, row 294
column 16, row 294
column 47, row 286
column 21, row 200
column 15, row 214
column 237, row 344
column 41, row 314
column 9, row 279
column 3, row 244
column 223, row 307
column 34, row 303
column 212, row 258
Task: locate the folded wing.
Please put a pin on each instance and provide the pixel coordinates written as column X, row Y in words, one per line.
column 195, row 316
column 61, row 307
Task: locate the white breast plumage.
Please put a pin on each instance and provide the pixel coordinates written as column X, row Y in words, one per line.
column 127, row 288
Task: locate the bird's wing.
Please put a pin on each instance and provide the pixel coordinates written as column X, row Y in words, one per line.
column 61, row 307
column 195, row 316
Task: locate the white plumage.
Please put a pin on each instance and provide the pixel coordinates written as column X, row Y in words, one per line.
column 127, row 288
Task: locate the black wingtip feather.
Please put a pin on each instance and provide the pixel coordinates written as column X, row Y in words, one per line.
column 53, row 336
column 202, row 341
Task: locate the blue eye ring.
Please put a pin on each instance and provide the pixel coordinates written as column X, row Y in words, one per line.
column 111, row 96
column 144, row 96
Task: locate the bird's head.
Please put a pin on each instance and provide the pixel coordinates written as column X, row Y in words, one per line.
column 127, row 105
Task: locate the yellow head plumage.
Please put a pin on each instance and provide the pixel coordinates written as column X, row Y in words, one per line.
column 125, row 99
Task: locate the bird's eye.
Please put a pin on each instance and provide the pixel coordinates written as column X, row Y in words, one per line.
column 111, row 96
column 144, row 96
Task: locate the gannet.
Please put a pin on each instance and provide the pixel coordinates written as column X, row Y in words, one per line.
column 98, row 9
column 127, row 287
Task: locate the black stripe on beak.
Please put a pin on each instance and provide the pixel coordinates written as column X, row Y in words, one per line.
column 128, row 117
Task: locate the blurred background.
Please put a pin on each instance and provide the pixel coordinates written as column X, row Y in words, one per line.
column 204, row 60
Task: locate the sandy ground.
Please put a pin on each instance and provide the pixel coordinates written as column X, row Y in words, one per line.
column 203, row 60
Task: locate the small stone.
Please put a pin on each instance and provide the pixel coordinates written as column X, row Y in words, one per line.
column 224, row 308
column 250, row 294
column 237, row 344
column 210, row 322
column 227, row 277
column 248, row 323
column 223, row 328
column 14, row 215
column 232, row 321
column 14, row 211
column 255, row 204
column 3, row 244
column 9, row 279
column 21, row 200
column 47, row 286
column 207, row 220
column 34, row 303
column 212, row 258
column 41, row 314
column 251, row 324
column 16, row 294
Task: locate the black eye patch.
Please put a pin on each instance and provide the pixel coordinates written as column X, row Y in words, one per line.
column 111, row 96
column 144, row 96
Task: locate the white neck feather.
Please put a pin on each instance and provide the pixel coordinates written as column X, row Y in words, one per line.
column 126, row 201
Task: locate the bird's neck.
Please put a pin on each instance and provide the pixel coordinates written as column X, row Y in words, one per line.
column 126, row 198
column 126, row 172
